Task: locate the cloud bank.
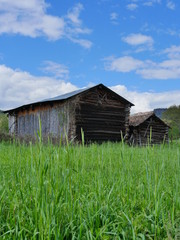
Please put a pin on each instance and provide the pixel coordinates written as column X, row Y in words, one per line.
column 19, row 87
column 147, row 101
column 148, row 69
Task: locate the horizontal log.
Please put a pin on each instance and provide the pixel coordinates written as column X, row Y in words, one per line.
column 100, row 126
column 96, row 102
column 95, row 107
column 100, row 137
column 101, row 132
column 101, row 114
column 99, row 121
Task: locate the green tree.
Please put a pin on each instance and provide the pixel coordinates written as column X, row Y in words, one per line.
column 172, row 117
column 3, row 123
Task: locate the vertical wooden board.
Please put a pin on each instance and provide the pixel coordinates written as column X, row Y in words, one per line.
column 72, row 104
column 59, row 120
column 53, row 120
column 27, row 124
column 36, row 124
column 21, row 125
column 56, row 121
column 11, row 123
column 44, row 122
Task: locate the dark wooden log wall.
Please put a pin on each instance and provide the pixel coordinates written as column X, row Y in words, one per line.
column 158, row 131
column 101, row 116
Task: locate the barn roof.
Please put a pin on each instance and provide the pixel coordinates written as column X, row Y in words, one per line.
column 68, row 96
column 138, row 118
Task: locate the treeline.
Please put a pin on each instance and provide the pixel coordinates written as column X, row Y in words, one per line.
column 172, row 117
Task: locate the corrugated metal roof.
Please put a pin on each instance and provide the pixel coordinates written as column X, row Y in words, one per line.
column 67, row 96
column 57, row 98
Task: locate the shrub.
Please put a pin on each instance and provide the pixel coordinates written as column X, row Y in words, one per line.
column 3, row 123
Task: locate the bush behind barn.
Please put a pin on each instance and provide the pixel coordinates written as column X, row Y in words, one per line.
column 3, row 123
column 4, row 129
column 172, row 117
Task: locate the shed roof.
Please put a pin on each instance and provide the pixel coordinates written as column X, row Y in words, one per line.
column 138, row 118
column 68, row 96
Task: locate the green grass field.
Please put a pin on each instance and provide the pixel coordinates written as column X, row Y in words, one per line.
column 108, row 191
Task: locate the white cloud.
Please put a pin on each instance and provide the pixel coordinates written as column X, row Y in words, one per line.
column 122, row 64
column 18, row 87
column 173, row 52
column 19, row 4
column 147, row 69
column 73, row 14
column 75, row 27
column 147, row 101
column 132, row 6
column 170, row 64
column 58, row 70
column 30, row 18
column 168, row 69
column 113, row 16
column 138, row 39
column 159, row 73
column 83, row 42
column 150, row 3
column 171, row 5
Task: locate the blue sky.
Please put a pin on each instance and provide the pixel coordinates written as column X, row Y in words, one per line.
column 50, row 47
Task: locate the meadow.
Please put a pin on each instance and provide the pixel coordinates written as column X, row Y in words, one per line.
column 107, row 191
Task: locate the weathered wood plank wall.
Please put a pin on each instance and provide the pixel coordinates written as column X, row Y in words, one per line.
column 55, row 121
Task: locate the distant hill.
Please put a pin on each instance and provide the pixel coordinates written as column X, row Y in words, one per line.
column 159, row 111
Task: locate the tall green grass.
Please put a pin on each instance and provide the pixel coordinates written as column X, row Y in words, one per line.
column 108, row 191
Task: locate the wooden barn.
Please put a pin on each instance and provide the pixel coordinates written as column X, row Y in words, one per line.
column 147, row 128
column 101, row 113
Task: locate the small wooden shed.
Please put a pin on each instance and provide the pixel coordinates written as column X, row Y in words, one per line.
column 146, row 127
column 101, row 113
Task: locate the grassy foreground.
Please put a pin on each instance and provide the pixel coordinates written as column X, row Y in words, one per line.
column 108, row 191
